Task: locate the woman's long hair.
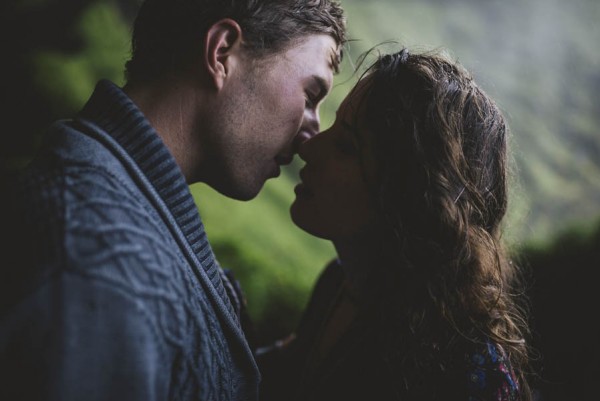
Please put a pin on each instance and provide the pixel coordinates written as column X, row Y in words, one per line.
column 441, row 149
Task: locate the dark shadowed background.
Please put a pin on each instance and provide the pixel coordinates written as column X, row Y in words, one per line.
column 539, row 59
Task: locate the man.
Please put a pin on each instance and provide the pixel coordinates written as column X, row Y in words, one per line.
column 111, row 290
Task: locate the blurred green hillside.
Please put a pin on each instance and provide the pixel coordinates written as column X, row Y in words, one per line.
column 539, row 59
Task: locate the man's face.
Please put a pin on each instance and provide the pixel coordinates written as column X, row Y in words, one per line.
column 267, row 109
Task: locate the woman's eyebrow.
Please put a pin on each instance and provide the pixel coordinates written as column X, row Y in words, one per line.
column 352, row 130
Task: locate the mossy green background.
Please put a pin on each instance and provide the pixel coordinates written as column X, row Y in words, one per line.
column 539, row 59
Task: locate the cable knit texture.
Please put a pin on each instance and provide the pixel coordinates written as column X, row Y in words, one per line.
column 112, row 291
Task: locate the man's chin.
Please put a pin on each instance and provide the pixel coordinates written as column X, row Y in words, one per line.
column 241, row 193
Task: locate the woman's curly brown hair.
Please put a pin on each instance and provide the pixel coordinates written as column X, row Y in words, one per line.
column 440, row 145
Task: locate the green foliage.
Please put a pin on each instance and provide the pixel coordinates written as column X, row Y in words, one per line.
column 276, row 294
column 275, row 261
column 522, row 54
column 538, row 59
column 69, row 79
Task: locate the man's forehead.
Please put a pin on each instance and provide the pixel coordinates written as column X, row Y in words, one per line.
column 319, row 48
column 317, row 56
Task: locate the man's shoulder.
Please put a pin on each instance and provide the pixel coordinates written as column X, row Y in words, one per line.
column 67, row 147
column 69, row 173
column 69, row 211
column 87, row 208
column 56, row 191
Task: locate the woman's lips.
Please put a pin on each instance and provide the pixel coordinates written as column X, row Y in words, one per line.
column 302, row 191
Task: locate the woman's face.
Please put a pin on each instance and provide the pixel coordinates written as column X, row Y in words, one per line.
column 333, row 199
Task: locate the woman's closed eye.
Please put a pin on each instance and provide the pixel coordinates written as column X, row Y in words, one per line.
column 346, row 142
column 346, row 146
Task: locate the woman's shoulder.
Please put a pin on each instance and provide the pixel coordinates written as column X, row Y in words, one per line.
column 489, row 374
column 327, row 285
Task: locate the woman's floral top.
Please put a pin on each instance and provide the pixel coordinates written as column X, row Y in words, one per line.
column 490, row 376
column 355, row 367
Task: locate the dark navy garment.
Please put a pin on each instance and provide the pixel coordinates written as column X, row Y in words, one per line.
column 109, row 287
column 358, row 368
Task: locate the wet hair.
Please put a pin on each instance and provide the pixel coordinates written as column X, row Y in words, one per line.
column 168, row 34
column 440, row 145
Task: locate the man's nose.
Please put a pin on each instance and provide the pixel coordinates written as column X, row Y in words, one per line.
column 313, row 119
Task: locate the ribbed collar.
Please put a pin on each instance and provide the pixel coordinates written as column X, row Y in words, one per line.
column 115, row 113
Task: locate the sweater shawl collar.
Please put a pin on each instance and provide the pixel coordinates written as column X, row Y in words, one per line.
column 111, row 110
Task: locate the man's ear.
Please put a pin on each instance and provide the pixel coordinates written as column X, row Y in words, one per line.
column 223, row 44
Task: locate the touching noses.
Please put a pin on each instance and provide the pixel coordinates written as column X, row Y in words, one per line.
column 310, row 128
column 303, row 150
column 308, row 149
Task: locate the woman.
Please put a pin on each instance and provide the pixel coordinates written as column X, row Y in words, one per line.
column 410, row 186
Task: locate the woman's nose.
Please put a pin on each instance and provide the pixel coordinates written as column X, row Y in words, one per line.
column 310, row 128
column 310, row 149
column 303, row 150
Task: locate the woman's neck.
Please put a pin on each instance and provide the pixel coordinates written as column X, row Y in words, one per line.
column 360, row 258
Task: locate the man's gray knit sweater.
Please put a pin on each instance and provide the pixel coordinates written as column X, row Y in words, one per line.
column 111, row 290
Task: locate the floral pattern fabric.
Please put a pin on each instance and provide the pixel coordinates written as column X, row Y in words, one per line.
column 490, row 376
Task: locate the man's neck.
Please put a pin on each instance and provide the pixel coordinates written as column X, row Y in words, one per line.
column 171, row 107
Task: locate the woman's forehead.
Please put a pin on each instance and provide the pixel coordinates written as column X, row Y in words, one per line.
column 354, row 104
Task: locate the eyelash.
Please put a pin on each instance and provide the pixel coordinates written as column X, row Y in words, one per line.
column 347, row 144
column 346, row 147
column 310, row 101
